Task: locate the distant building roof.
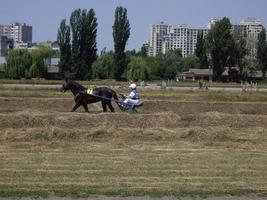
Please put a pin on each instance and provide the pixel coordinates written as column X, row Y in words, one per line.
column 258, row 74
column 2, row 60
column 54, row 61
column 53, row 69
column 201, row 72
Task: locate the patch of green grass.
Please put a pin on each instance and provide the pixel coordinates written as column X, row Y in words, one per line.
column 8, row 111
column 188, row 117
column 205, row 96
column 249, row 112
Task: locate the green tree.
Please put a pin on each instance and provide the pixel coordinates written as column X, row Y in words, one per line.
column 40, row 57
column 201, row 51
column 137, row 69
column 240, row 52
column 262, row 52
column 34, row 71
column 63, row 38
column 121, row 34
column 18, row 63
column 76, row 24
column 249, row 67
column 104, row 66
column 88, row 40
column 152, row 65
column 190, row 61
column 221, row 45
column 168, row 64
column 143, row 51
column 84, row 31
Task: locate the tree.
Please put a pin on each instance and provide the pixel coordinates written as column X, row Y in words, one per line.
column 249, row 67
column 168, row 64
column 84, row 31
column 143, row 51
column 190, row 61
column 121, row 34
column 137, row 69
column 63, row 38
column 240, row 52
column 152, row 66
column 201, row 51
column 34, row 71
column 88, row 40
column 39, row 61
column 104, row 66
column 75, row 24
column 221, row 45
column 18, row 63
column 262, row 52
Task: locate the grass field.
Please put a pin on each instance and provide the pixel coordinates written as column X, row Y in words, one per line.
column 188, row 83
column 180, row 143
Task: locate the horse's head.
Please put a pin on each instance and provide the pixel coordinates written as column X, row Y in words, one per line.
column 65, row 86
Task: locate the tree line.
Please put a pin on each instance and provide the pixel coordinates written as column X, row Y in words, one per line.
column 221, row 48
column 20, row 63
column 228, row 48
column 80, row 52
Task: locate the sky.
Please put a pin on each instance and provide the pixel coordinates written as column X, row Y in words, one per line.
column 45, row 15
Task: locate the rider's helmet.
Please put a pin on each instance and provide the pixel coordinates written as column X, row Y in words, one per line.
column 132, row 86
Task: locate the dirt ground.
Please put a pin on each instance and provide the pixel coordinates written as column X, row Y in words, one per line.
column 146, row 198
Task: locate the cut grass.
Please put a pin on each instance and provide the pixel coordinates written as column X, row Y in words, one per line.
column 172, row 147
column 143, row 169
column 149, row 95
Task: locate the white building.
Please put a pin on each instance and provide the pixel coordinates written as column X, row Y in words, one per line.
column 157, row 34
column 182, row 37
column 253, row 28
column 20, row 33
column 248, row 29
column 164, row 37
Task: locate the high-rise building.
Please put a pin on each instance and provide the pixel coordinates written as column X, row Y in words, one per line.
column 247, row 29
column 157, row 34
column 5, row 30
column 165, row 37
column 20, row 33
column 182, row 37
column 253, row 28
column 4, row 43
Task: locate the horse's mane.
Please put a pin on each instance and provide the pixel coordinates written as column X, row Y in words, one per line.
column 76, row 85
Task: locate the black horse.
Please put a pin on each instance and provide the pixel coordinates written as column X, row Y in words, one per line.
column 103, row 94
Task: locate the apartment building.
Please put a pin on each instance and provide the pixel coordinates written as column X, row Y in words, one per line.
column 4, row 43
column 157, row 34
column 182, row 37
column 20, row 33
column 253, row 28
column 164, row 37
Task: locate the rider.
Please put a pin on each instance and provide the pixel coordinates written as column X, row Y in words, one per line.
column 133, row 97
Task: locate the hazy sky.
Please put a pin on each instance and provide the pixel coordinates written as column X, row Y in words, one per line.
column 45, row 15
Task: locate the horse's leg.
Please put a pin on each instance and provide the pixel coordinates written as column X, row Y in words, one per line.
column 104, row 106
column 77, row 105
column 110, row 106
column 85, row 107
column 134, row 109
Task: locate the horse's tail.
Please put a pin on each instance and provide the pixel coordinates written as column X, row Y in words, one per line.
column 115, row 96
